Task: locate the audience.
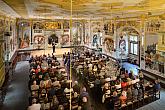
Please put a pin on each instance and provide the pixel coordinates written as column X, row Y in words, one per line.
column 51, row 88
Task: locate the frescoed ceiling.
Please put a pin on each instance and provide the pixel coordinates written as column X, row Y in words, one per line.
column 84, row 8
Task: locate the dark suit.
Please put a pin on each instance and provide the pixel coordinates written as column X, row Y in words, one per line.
column 53, row 44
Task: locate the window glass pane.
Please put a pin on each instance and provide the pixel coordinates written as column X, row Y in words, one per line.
column 135, row 38
column 132, row 48
column 135, row 49
column 131, row 38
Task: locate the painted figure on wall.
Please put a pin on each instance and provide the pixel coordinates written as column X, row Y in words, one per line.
column 66, row 25
column 122, row 44
column 87, row 39
column 38, row 25
column 95, row 40
column 109, row 44
column 65, row 39
column 52, row 38
column 25, row 41
column 38, row 39
column 24, row 34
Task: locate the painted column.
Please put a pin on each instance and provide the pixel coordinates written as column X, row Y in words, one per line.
column 31, row 33
column 83, row 32
column 90, row 34
column 144, row 46
column 115, row 35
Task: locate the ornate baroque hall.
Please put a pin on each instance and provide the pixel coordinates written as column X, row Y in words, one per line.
column 82, row 54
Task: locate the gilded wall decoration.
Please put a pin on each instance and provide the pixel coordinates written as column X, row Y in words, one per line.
column 109, row 28
column 52, row 25
column 38, row 25
column 87, row 33
column 154, row 26
column 96, row 26
column 1, row 51
column 134, row 23
column 66, row 25
column 2, row 24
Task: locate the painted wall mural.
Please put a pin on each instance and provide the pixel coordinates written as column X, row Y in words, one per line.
column 7, row 25
column 95, row 40
column 25, row 41
column 66, row 25
column 87, row 33
column 109, row 28
column 52, row 38
column 24, row 34
column 122, row 44
column 39, row 41
column 38, row 25
column 109, row 44
column 131, row 23
column 52, row 25
column 65, row 40
column 154, row 25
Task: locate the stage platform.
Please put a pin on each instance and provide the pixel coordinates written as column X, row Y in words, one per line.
column 59, row 51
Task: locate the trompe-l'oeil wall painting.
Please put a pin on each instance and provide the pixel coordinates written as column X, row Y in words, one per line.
column 25, row 42
column 24, row 34
column 65, row 40
column 39, row 41
column 109, row 44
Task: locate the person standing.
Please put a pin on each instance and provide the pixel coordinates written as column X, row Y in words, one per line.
column 53, row 44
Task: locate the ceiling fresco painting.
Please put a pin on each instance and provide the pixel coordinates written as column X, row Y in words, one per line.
column 53, row 9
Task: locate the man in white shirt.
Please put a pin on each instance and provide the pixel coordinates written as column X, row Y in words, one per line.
column 34, row 106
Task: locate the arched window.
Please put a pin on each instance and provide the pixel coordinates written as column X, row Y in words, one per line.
column 133, row 44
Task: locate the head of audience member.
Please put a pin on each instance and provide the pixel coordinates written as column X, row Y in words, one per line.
column 61, row 107
column 34, row 83
column 76, row 82
column 34, row 101
column 115, row 94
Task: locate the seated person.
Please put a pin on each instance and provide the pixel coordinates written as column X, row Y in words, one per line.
column 34, row 86
column 123, row 99
column 51, row 92
column 34, row 105
column 84, row 93
column 54, row 103
column 129, row 94
column 61, row 107
column 95, row 68
column 42, row 85
column 141, row 76
column 76, row 87
column 116, row 98
column 157, row 85
column 134, row 93
column 75, row 101
column 126, row 74
column 131, row 75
